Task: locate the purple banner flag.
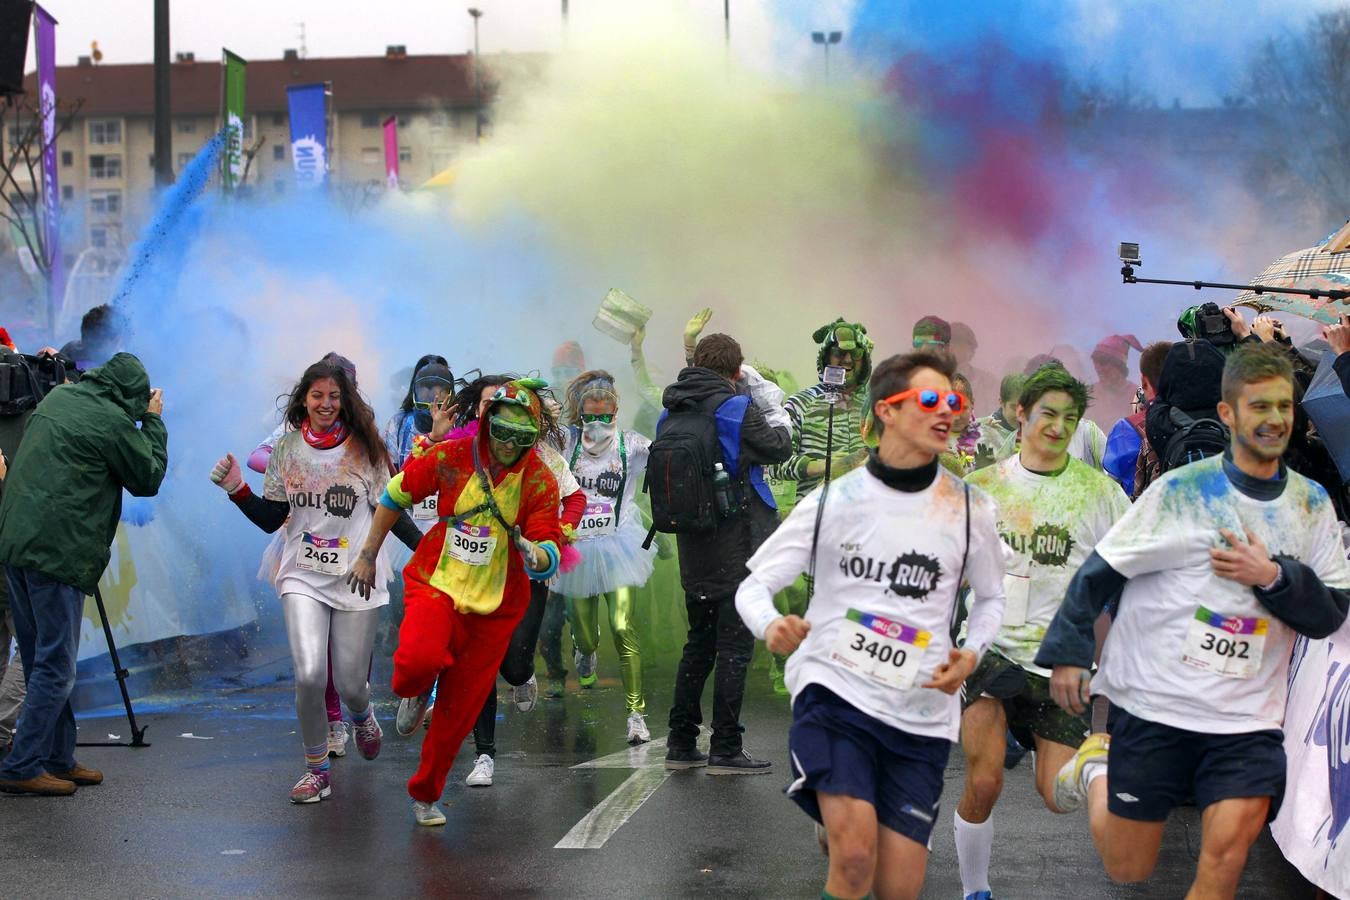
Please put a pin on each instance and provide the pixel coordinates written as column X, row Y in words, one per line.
column 44, row 29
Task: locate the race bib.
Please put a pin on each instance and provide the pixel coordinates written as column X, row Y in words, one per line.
column 427, row 510
column 598, row 519
column 1017, row 600
column 472, row 544
column 880, row 650
column 327, row 556
column 1230, row 646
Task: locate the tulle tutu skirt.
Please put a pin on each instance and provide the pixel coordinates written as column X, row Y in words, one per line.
column 609, row 563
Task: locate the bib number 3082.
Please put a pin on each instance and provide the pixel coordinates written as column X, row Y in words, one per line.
column 881, row 650
column 1230, row 646
column 327, row 556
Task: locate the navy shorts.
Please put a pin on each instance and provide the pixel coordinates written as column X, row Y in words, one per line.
column 1152, row 768
column 838, row 749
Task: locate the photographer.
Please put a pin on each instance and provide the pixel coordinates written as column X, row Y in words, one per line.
column 84, row 444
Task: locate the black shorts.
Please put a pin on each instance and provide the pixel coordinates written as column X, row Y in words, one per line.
column 1151, row 767
column 838, row 749
column 1026, row 702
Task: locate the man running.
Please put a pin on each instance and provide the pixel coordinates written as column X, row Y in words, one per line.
column 1216, row 569
column 873, row 671
column 1052, row 511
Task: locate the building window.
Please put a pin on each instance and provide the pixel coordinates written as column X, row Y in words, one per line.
column 67, row 192
column 248, row 128
column 438, row 119
column 98, row 237
column 106, row 203
column 105, row 132
column 151, row 158
column 183, row 160
column 403, row 121
column 278, row 120
column 405, row 154
column 185, row 126
column 67, row 159
column 370, row 155
column 370, row 120
column 14, row 134
column 278, row 152
column 103, row 166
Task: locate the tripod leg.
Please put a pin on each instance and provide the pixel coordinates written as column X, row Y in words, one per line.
column 137, row 734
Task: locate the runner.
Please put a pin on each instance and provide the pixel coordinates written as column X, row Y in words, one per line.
column 1214, row 571
column 432, row 380
column 874, row 675
column 323, row 480
column 1052, row 510
column 608, row 464
column 466, row 593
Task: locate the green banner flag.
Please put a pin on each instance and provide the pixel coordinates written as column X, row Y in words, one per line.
column 232, row 116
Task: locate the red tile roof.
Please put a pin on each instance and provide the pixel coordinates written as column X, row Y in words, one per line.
column 377, row 83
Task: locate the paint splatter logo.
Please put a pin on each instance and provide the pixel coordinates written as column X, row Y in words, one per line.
column 340, row 501
column 915, row 575
column 1050, row 545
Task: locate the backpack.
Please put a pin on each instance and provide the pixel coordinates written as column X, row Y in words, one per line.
column 680, row 473
column 1192, row 440
column 25, row 380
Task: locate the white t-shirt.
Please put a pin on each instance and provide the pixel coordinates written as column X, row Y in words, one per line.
column 1051, row 523
column 602, row 478
column 889, row 554
column 1162, row 661
column 332, row 494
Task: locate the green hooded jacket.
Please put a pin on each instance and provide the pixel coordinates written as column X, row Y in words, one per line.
column 63, row 495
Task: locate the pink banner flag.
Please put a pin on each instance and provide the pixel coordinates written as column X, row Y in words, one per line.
column 391, row 153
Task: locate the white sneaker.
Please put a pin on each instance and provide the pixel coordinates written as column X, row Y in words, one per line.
column 1071, row 782
column 526, row 695
column 481, row 776
column 410, row 712
column 427, row 813
column 337, row 738
column 637, row 729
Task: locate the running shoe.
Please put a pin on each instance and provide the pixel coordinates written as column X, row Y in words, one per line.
column 483, row 769
column 311, row 788
column 678, row 760
column 526, row 695
column 738, row 764
column 337, row 738
column 369, row 737
column 585, row 668
column 426, row 716
column 637, row 729
column 776, row 677
column 410, row 712
column 1071, row 782
column 556, row 688
column 980, row 895
column 427, row 813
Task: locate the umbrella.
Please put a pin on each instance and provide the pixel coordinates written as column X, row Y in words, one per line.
column 1325, row 267
column 1327, row 405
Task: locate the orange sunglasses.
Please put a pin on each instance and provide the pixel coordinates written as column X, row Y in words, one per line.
column 929, row 399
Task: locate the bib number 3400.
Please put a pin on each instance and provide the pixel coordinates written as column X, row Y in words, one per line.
column 881, row 650
column 1230, row 646
column 327, row 556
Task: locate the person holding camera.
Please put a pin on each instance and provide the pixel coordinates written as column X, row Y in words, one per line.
column 84, row 445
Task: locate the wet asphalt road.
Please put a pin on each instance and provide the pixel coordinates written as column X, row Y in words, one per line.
column 207, row 816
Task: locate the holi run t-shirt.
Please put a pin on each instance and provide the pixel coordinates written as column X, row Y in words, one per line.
column 1188, row 648
column 610, row 494
column 887, row 568
column 1051, row 523
column 332, row 495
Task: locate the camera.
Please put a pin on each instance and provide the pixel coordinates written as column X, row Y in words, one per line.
column 834, row 377
column 1209, row 324
column 1129, row 254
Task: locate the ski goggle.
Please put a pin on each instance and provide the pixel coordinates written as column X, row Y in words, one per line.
column 929, row 399
column 606, row 418
column 505, row 432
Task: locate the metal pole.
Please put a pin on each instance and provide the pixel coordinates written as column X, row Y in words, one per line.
column 163, row 126
column 827, row 62
column 477, row 77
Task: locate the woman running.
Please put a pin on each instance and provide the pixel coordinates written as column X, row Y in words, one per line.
column 323, row 480
column 608, row 464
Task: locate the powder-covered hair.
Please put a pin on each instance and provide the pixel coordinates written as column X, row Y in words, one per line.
column 596, row 383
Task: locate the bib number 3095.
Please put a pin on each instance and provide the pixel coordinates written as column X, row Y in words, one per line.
column 327, row 556
column 1230, row 646
column 472, row 544
column 880, row 650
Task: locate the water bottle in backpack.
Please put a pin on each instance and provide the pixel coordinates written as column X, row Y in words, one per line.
column 722, row 491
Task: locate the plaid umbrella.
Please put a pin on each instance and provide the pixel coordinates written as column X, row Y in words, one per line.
column 1314, row 268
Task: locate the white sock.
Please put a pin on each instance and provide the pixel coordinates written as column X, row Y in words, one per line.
column 974, row 846
column 1093, row 769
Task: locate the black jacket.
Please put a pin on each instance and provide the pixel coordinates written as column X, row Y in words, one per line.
column 714, row 565
column 1192, row 375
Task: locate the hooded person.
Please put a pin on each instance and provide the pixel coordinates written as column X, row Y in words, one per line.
column 83, row 445
column 431, row 381
column 467, row 586
column 1113, row 395
column 569, row 361
column 1191, row 380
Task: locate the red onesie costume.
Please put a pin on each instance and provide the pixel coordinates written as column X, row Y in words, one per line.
column 466, row 587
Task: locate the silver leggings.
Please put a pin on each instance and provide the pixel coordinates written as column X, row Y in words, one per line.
column 312, row 628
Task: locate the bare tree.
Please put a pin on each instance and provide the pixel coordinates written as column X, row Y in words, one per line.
column 21, row 201
column 1299, row 85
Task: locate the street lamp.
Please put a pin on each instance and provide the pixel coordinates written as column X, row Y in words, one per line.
column 477, row 14
column 825, row 39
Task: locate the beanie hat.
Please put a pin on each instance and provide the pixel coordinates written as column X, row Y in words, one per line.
column 569, row 355
column 933, row 330
column 1116, row 348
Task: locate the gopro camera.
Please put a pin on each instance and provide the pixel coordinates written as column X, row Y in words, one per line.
column 834, row 377
column 1129, row 254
